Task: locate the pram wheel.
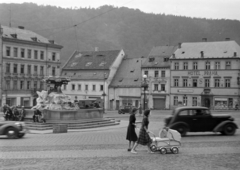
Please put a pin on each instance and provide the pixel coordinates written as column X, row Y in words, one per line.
column 163, row 150
column 174, row 150
column 153, row 148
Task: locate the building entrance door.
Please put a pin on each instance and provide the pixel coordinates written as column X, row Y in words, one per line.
column 207, row 102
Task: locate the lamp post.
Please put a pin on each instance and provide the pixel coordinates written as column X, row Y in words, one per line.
column 145, row 86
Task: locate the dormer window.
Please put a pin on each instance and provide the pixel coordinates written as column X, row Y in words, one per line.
column 166, row 59
column 136, row 79
column 102, row 63
column 121, row 79
column 73, row 64
column 132, row 70
column 88, row 64
column 14, row 35
column 34, row 38
column 151, row 59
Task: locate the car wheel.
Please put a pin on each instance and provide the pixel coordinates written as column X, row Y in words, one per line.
column 182, row 130
column 21, row 135
column 229, row 129
column 163, row 150
column 175, row 150
column 12, row 133
column 153, row 148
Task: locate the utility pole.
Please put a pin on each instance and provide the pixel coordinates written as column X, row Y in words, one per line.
column 1, row 65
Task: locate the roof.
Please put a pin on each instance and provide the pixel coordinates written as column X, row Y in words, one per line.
column 23, row 34
column 128, row 73
column 220, row 49
column 158, row 56
column 85, row 74
column 88, row 60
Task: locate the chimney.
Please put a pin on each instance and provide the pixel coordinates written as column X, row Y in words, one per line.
column 202, row 54
column 204, row 39
column 179, row 45
column 227, row 39
column 96, row 48
column 173, row 55
column 51, row 41
column 235, row 54
column 21, row 27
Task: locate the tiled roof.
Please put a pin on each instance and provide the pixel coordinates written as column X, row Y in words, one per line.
column 85, row 75
column 88, row 60
column 157, row 55
column 129, row 73
column 220, row 49
column 23, row 34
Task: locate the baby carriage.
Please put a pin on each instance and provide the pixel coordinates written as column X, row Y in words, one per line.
column 169, row 144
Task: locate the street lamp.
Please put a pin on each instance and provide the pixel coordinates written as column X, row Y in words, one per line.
column 145, row 86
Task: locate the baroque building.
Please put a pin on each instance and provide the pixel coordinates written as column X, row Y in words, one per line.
column 26, row 58
column 206, row 74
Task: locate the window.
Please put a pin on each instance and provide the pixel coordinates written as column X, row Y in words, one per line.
column 22, row 69
column 217, row 65
column 15, row 84
column 64, row 87
column 8, row 84
column 53, row 56
column 79, row 87
column 35, row 54
column 53, row 71
column 41, row 70
column 166, row 59
column 207, row 65
column 195, row 82
column 195, row 66
column 101, row 87
column 207, row 83
column 35, row 84
column 29, row 53
column 146, row 73
column 228, row 64
column 227, row 83
column 22, row 52
column 185, row 82
column 163, row 87
column 175, row 100
column 35, row 69
column 8, row 51
column 217, row 83
column 185, row 66
column 15, row 68
column 163, row 74
column 42, row 55
column 28, row 85
column 94, row 87
column 29, row 69
column 176, row 82
column 185, row 100
column 8, row 68
column 73, row 86
column 86, row 87
column 194, row 101
column 155, row 87
column 151, row 59
column 184, row 113
column 21, row 85
column 176, row 66
column 155, row 73
column 15, row 51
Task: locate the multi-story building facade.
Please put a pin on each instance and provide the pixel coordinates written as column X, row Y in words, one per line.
column 125, row 88
column 26, row 58
column 91, row 72
column 157, row 70
column 206, row 74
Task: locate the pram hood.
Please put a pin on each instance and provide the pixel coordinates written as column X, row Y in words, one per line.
column 173, row 134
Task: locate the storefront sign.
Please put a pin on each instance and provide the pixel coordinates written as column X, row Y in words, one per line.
column 185, row 91
column 203, row 73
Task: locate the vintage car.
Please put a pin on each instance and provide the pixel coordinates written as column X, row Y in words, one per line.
column 125, row 109
column 199, row 119
column 12, row 129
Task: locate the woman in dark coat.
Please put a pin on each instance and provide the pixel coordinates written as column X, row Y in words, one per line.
column 131, row 134
column 144, row 138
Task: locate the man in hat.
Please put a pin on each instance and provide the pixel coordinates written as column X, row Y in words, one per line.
column 22, row 114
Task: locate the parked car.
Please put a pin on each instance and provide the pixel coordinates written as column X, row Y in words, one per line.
column 12, row 129
column 125, row 109
column 199, row 119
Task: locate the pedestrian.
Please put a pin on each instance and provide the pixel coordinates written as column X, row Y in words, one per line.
column 16, row 113
column 22, row 114
column 131, row 134
column 140, row 109
column 8, row 114
column 144, row 138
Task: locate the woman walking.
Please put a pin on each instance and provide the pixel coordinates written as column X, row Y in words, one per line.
column 131, row 134
column 144, row 138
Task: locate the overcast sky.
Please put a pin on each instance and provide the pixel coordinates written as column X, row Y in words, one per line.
column 211, row 9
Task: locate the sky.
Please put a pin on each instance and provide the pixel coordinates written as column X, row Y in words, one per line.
column 210, row 9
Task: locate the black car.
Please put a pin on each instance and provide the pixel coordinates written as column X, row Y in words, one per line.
column 199, row 119
column 12, row 129
column 125, row 109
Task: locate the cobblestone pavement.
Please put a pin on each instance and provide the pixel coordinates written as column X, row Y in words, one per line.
column 106, row 149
